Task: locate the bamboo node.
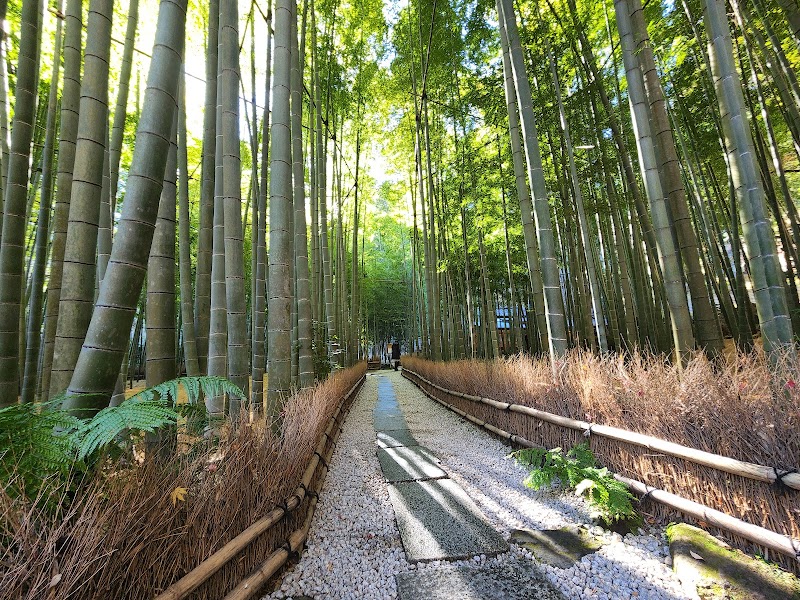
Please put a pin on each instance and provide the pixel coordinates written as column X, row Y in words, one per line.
column 322, row 460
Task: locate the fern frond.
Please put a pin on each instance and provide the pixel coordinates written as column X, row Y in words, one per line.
column 210, row 386
column 141, row 415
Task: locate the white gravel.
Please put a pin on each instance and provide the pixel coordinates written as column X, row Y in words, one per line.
column 354, row 548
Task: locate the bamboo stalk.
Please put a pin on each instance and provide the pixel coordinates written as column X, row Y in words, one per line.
column 202, row 572
column 708, row 459
column 774, row 541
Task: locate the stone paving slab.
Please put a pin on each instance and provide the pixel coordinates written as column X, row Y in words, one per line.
column 512, row 581
column 390, row 422
column 395, row 438
column 438, row 520
column 560, row 548
column 389, row 411
column 409, row 463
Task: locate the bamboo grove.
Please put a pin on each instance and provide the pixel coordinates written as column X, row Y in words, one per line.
column 473, row 178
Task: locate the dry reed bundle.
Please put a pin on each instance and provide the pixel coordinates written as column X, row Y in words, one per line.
column 122, row 536
column 742, row 409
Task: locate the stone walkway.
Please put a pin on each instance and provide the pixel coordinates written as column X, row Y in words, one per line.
column 420, row 504
column 437, row 520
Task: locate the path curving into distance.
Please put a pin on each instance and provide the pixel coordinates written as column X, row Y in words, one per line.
column 421, row 504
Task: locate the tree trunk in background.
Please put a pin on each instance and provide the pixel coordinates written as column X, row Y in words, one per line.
column 4, row 133
column 492, row 348
column 218, row 321
column 553, row 300
column 303, row 289
column 259, row 302
column 160, row 348
column 34, row 328
column 238, row 351
column 78, row 283
column 434, row 297
column 682, row 334
column 14, row 221
column 708, row 334
column 280, row 222
column 354, row 273
column 513, row 317
column 70, row 102
column 523, row 191
column 121, row 108
column 202, row 301
column 776, row 326
column 322, row 192
column 594, row 290
column 184, row 242
column 105, row 223
column 107, row 339
column 792, row 13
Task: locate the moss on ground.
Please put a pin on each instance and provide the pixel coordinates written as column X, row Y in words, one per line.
column 722, row 573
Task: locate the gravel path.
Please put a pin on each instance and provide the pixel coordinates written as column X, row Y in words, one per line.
column 354, row 548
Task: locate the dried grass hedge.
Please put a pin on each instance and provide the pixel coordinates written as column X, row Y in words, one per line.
column 121, row 536
column 742, row 409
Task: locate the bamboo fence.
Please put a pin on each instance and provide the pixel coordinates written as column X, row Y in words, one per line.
column 696, row 478
column 280, row 524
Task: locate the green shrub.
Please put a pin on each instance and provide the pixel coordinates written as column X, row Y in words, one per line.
column 578, row 470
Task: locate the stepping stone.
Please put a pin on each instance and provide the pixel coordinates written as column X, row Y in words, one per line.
column 409, row 463
column 560, row 548
column 437, row 520
column 706, row 567
column 393, row 411
column 512, row 581
column 385, row 422
column 395, row 438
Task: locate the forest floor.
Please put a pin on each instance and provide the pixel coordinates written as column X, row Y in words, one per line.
column 355, row 548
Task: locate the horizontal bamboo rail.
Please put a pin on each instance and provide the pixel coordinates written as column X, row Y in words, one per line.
column 202, row 572
column 715, row 461
column 783, row 544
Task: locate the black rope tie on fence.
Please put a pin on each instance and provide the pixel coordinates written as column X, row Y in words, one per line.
column 293, row 554
column 779, row 475
column 648, row 492
column 284, row 504
column 588, row 432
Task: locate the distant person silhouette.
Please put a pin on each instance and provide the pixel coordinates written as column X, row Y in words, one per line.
column 396, row 354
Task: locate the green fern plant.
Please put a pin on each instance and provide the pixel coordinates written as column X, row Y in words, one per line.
column 35, row 442
column 149, row 410
column 43, row 442
column 578, row 470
